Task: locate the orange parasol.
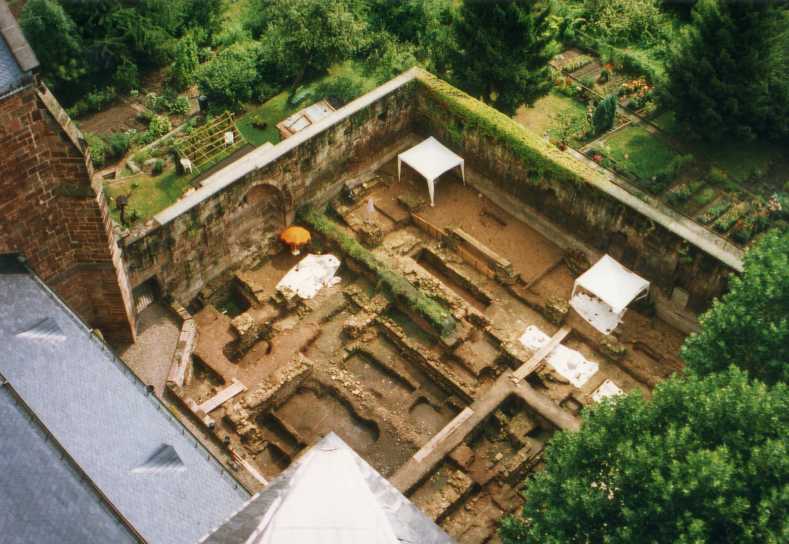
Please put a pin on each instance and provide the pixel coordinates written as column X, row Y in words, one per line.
column 295, row 237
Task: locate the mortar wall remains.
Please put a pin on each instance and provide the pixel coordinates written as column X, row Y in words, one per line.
column 216, row 231
column 222, row 230
column 541, row 179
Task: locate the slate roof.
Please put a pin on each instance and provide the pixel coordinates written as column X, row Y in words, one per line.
column 299, row 506
column 17, row 59
column 105, row 421
column 42, row 492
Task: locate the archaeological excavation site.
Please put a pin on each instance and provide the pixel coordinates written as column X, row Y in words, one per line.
column 444, row 342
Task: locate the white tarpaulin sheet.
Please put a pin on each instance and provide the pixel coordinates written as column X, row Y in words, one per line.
column 431, row 159
column 309, row 276
column 569, row 363
column 612, row 283
column 607, row 389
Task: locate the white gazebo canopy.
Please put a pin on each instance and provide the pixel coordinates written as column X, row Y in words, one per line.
column 613, row 287
column 431, row 159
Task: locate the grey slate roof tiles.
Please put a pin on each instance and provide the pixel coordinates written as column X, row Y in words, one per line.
column 104, row 419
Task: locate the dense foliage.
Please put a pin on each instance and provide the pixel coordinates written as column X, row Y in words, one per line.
column 749, row 326
column 231, row 77
column 727, row 72
column 304, row 38
column 604, row 114
column 706, row 460
column 504, row 49
column 87, row 45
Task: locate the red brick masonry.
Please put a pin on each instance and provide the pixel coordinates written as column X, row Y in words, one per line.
column 51, row 213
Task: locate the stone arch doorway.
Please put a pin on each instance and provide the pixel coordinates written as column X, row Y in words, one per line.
column 255, row 224
column 266, row 200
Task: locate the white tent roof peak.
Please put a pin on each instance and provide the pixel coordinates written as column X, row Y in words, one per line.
column 612, row 283
column 431, row 158
column 329, row 495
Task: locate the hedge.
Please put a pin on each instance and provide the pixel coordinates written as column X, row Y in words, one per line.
column 399, row 288
column 544, row 159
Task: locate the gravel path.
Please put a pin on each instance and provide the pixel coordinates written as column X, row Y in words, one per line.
column 150, row 356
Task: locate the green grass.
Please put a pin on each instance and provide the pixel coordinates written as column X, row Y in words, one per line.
column 638, row 151
column 542, row 117
column 272, row 112
column 277, row 108
column 666, row 121
column 150, row 196
column 740, row 160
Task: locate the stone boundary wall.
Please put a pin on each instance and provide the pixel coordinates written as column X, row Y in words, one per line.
column 572, row 196
column 196, row 241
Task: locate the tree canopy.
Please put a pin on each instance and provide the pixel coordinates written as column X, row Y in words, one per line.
column 706, row 460
column 504, row 49
column 727, row 72
column 307, row 36
column 86, row 45
column 749, row 326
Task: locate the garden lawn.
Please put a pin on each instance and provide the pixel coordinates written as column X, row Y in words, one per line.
column 272, row 112
column 541, row 117
column 278, row 108
column 151, row 194
column 637, row 151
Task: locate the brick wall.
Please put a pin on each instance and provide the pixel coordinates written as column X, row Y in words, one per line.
column 51, row 213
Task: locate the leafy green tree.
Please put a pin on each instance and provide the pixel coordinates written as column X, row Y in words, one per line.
column 604, row 114
column 749, row 326
column 727, row 72
column 706, row 460
column 625, row 22
column 302, row 38
column 185, row 65
column 56, row 40
column 504, row 49
column 231, row 77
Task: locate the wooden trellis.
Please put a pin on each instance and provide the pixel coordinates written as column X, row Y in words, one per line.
column 207, row 143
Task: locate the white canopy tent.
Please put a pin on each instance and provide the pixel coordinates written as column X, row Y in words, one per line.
column 431, row 159
column 602, row 293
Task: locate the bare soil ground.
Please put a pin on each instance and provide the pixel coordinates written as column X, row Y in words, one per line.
column 386, row 385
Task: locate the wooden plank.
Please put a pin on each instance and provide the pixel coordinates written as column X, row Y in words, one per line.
column 529, row 366
column 253, row 471
column 223, row 396
column 443, row 433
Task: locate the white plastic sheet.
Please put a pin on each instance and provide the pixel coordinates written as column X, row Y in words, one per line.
column 309, row 276
column 607, row 389
column 569, row 363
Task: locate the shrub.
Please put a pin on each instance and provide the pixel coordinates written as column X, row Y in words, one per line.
column 109, row 148
column 720, row 178
column 715, row 211
column 340, row 90
column 604, row 75
column 93, row 102
column 604, row 114
column 159, row 126
column 231, row 77
column 679, row 195
column 588, row 81
column 158, row 167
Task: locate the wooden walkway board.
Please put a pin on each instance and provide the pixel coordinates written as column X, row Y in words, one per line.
column 223, row 396
column 529, row 366
column 451, row 426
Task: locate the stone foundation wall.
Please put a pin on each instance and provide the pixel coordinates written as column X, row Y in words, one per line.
column 52, row 215
column 230, row 228
column 225, row 226
column 581, row 208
